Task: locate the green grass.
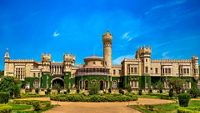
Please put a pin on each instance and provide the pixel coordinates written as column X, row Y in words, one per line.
column 165, row 108
column 20, row 106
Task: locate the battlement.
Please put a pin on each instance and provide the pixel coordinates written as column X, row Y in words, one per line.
column 69, row 58
column 21, row 60
column 46, row 57
column 172, row 61
column 107, row 37
column 145, row 50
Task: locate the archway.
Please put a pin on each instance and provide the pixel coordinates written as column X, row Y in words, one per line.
column 57, row 83
column 101, row 85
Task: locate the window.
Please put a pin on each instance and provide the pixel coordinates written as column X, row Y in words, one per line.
column 169, row 71
column 38, row 74
column 135, row 70
column 114, row 72
column 146, row 60
column 146, row 69
column 156, row 70
column 34, row 75
column 119, row 72
column 94, row 62
column 188, row 71
column 131, row 69
column 184, row 71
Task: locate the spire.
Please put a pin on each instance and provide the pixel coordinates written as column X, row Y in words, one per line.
column 7, row 54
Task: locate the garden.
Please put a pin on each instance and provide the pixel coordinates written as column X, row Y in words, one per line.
column 10, row 92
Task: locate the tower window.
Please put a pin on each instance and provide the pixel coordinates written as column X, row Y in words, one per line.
column 156, row 70
column 94, row 62
column 135, row 70
column 146, row 69
column 114, row 72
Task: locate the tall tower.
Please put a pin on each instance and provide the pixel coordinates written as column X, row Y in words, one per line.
column 144, row 54
column 107, row 49
column 6, row 61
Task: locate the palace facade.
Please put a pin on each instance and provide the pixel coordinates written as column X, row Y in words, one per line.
column 139, row 72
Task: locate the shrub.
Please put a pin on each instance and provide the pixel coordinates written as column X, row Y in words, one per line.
column 4, row 97
column 194, row 92
column 171, row 93
column 36, row 90
column 48, row 91
column 93, row 98
column 129, row 89
column 140, row 92
column 110, row 90
column 68, row 91
column 184, row 99
column 78, row 91
column 150, row 91
column 36, row 106
column 184, row 110
column 93, row 89
column 5, row 109
column 121, row 91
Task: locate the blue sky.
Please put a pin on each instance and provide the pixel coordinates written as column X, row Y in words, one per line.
column 29, row 28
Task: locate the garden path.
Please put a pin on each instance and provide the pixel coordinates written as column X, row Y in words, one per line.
column 102, row 107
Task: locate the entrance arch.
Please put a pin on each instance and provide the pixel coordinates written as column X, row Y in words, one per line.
column 57, row 82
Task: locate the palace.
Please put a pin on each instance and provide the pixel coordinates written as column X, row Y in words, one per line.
column 139, row 72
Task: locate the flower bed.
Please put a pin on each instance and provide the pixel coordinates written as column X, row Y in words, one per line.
column 93, row 98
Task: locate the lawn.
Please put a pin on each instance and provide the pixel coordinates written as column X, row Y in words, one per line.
column 165, row 108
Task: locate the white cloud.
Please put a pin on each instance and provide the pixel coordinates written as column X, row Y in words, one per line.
column 118, row 60
column 127, row 36
column 56, row 34
column 177, row 2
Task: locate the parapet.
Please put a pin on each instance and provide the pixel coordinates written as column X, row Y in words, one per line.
column 171, row 61
column 46, row 57
column 69, row 58
column 107, row 37
column 145, row 50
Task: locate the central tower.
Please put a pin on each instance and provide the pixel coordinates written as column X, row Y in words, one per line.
column 107, row 49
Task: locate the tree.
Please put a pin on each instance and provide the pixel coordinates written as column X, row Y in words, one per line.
column 160, row 86
column 1, row 73
column 10, row 85
column 94, row 88
column 176, row 84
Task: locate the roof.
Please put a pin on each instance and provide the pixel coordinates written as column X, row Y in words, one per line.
column 93, row 58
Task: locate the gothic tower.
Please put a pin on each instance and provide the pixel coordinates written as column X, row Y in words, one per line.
column 107, row 49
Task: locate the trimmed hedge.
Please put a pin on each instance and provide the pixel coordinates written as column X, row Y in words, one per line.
column 5, row 109
column 37, row 105
column 4, row 97
column 188, row 110
column 93, row 98
column 184, row 99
